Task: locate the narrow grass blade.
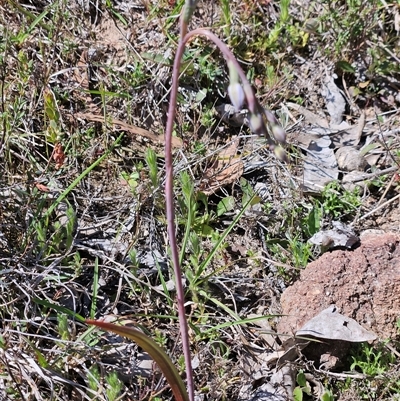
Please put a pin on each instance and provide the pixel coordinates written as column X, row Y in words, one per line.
column 77, row 180
column 222, row 238
column 164, row 285
column 59, row 308
column 95, row 289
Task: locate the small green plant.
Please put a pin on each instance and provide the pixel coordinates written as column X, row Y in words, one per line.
column 151, row 161
column 376, row 362
column 93, row 380
column 52, row 236
column 207, row 120
column 95, row 289
column 311, row 223
column 136, row 75
column 348, row 22
column 133, row 256
column 226, row 13
column 299, row 222
column 63, row 326
column 336, row 201
column 300, row 250
column 372, row 360
column 195, row 212
column 114, row 386
column 273, row 36
column 132, row 179
column 303, row 389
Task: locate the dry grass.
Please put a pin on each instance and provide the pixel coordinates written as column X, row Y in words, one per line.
column 82, row 225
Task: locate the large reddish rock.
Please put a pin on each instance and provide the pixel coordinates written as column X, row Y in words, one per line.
column 363, row 283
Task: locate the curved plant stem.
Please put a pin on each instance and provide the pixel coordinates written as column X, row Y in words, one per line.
column 251, row 100
column 169, row 194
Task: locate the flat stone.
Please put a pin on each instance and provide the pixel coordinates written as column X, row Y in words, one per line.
column 363, row 283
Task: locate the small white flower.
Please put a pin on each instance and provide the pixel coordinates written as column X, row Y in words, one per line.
column 256, row 124
column 236, row 94
column 279, row 133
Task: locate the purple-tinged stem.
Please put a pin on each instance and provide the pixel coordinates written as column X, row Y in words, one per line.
column 254, row 108
column 170, row 212
column 251, row 100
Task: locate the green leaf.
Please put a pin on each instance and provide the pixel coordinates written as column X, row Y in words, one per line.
column 345, row 66
column 248, row 192
column 298, row 394
column 368, row 148
column 301, row 379
column 151, row 161
column 93, row 306
column 41, row 359
column 201, row 95
column 39, row 356
column 327, row 396
column 313, row 221
column 156, row 58
column 206, row 230
column 225, row 205
column 50, row 106
column 156, row 353
column 59, row 309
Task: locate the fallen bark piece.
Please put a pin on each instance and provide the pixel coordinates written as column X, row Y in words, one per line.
column 339, row 236
column 320, row 165
column 332, row 325
column 225, row 170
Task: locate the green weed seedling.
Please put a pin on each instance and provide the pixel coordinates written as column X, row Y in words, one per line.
column 132, row 179
column 151, row 161
column 225, row 205
column 114, row 386
column 299, row 222
column 53, row 131
column 337, row 202
column 372, row 360
column 93, row 381
column 301, row 251
column 62, row 326
column 207, row 120
column 52, row 236
column 226, row 14
column 375, row 361
column 195, row 215
column 349, row 21
column 303, row 389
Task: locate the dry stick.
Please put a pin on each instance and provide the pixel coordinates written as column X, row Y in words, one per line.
column 379, row 207
column 388, row 186
column 365, row 177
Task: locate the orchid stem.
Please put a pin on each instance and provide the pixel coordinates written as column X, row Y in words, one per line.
column 254, row 107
